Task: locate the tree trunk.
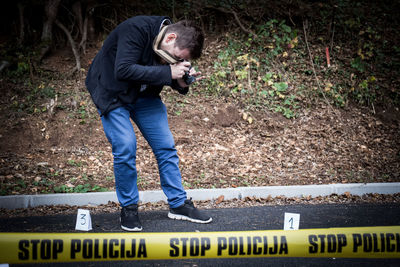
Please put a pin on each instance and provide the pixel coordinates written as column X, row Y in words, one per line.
column 91, row 31
column 51, row 10
column 77, row 9
column 21, row 38
column 91, row 27
column 88, row 26
column 82, row 44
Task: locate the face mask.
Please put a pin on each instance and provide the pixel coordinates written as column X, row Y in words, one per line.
column 162, row 53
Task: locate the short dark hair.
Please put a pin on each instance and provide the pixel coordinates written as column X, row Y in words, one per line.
column 189, row 37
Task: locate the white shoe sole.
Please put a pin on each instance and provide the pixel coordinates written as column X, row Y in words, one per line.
column 186, row 218
column 136, row 229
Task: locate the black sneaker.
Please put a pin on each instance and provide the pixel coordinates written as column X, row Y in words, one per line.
column 130, row 219
column 187, row 212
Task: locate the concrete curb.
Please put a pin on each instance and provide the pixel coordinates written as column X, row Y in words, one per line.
column 82, row 199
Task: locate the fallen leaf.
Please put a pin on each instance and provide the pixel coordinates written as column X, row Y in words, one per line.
column 219, row 199
column 219, row 147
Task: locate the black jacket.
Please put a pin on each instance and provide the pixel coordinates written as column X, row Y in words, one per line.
column 127, row 62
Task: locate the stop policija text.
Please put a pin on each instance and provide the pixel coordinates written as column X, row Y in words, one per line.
column 367, row 242
column 47, row 249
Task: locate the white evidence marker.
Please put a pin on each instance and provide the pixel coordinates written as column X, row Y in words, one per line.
column 83, row 220
column 292, row 221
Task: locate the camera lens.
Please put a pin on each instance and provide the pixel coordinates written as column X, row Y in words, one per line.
column 189, row 79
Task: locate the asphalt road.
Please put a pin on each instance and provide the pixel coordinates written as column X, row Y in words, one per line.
column 234, row 219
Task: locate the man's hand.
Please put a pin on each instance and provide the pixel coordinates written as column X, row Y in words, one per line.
column 196, row 74
column 192, row 72
column 178, row 69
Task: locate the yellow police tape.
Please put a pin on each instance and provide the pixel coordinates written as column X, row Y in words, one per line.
column 360, row 242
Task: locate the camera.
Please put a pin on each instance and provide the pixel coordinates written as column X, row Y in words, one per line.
column 189, row 79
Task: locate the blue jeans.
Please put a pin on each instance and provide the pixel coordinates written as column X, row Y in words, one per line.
column 150, row 115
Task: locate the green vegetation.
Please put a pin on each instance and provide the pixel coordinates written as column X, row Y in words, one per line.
column 248, row 69
column 79, row 189
column 272, row 67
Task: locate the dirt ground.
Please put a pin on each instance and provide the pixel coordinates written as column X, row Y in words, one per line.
column 218, row 148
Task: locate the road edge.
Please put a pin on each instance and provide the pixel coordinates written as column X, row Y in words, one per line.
column 98, row 198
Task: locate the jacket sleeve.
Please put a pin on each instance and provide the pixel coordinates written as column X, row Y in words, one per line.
column 182, row 90
column 132, row 42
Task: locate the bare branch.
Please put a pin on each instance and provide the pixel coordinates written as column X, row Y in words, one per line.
column 235, row 15
column 73, row 46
